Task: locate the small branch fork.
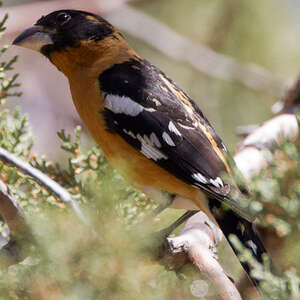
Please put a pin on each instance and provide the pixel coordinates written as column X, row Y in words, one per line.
column 198, row 240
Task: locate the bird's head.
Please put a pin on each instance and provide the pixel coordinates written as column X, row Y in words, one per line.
column 72, row 38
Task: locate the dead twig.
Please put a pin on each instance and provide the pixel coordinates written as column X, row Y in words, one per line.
column 199, row 240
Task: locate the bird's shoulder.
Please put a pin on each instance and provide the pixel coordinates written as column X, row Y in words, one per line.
column 148, row 86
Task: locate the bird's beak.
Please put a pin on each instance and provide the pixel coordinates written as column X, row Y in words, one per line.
column 33, row 38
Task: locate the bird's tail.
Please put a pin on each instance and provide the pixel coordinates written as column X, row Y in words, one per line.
column 230, row 223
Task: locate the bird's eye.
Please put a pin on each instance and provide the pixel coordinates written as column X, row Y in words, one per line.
column 63, row 18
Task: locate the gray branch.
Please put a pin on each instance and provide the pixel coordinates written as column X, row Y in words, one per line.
column 199, row 240
column 44, row 180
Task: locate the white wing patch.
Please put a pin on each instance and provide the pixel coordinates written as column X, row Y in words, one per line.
column 122, row 105
column 148, row 148
column 168, row 139
column 200, row 178
column 148, row 145
column 173, row 128
column 217, row 182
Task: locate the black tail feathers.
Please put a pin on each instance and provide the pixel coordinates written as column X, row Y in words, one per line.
column 231, row 223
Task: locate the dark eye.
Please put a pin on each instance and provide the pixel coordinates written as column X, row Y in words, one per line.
column 63, row 18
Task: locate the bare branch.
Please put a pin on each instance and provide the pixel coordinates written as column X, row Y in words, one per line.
column 44, row 180
column 198, row 240
column 251, row 155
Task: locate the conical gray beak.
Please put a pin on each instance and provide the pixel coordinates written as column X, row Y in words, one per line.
column 33, row 38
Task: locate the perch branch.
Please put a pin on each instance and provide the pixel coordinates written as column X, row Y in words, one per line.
column 198, row 240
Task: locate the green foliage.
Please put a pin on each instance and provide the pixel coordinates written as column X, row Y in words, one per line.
column 276, row 189
column 7, row 84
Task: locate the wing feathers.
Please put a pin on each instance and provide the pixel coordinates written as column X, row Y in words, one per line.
column 154, row 116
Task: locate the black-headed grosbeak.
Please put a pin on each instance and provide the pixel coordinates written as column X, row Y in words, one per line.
column 147, row 127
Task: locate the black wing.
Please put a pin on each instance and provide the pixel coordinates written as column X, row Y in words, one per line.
column 156, row 117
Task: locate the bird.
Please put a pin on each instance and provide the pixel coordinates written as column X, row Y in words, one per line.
column 147, row 127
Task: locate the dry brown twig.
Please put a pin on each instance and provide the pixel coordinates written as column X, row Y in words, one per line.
column 199, row 239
